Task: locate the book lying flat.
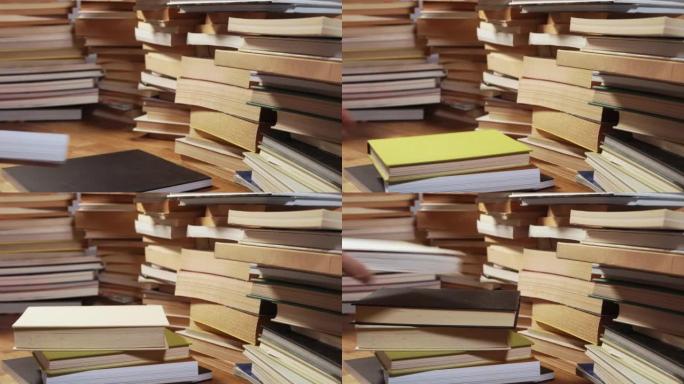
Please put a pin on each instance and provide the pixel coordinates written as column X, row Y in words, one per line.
column 33, row 146
column 130, row 327
column 60, row 362
column 476, row 308
column 307, row 219
column 127, row 171
column 419, row 157
column 309, row 26
column 647, row 219
column 644, row 26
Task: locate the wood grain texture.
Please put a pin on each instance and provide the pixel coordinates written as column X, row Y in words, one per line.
column 354, row 149
column 6, row 352
column 93, row 137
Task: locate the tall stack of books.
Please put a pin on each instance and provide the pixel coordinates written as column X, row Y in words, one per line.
column 473, row 161
column 163, row 225
column 43, row 72
column 386, row 75
column 639, row 79
column 284, row 66
column 108, row 221
column 379, row 216
column 449, row 28
column 108, row 28
column 504, row 29
column 163, row 33
column 103, row 344
column 435, row 335
column 43, row 260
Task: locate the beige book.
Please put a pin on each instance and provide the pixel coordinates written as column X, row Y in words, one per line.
column 217, row 289
column 204, row 261
column 165, row 64
column 131, row 327
column 505, row 63
column 241, row 132
column 219, row 97
column 305, row 26
column 583, row 325
column 662, row 26
column 322, row 219
column 563, row 97
column 585, row 133
column 241, row 325
column 205, row 69
column 547, row 69
column 645, row 219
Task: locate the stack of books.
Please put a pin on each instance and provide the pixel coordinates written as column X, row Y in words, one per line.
column 108, row 28
column 504, row 29
column 108, row 222
column 449, row 221
column 102, row 344
column 43, row 72
column 638, row 78
column 163, row 33
column 474, row 161
column 267, row 65
column 162, row 223
column 433, row 335
column 42, row 256
column 564, row 96
column 379, row 216
column 505, row 222
column 386, row 75
column 449, row 28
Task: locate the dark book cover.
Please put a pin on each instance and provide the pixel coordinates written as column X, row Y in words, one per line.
column 366, row 178
column 425, row 298
column 127, row 171
column 308, row 151
column 285, row 337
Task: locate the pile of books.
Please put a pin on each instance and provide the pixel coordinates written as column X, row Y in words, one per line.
column 504, row 29
column 102, row 344
column 42, row 256
column 379, row 216
column 449, row 28
column 262, row 65
column 108, row 222
column 638, row 79
column 163, row 34
column 43, row 72
column 163, row 225
column 435, row 335
column 473, row 161
column 108, row 28
column 386, row 75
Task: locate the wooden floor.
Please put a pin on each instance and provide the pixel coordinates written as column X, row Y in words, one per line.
column 91, row 137
column 349, row 352
column 6, row 352
column 355, row 148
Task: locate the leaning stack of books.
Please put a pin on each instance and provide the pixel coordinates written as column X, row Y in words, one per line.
column 386, row 75
column 43, row 73
column 108, row 222
column 433, row 335
column 379, row 216
column 163, row 225
column 42, row 255
column 482, row 161
column 449, row 28
column 108, row 28
column 163, row 33
column 289, row 66
column 639, row 79
column 102, row 344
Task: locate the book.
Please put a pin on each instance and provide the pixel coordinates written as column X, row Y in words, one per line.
column 309, row 219
column 137, row 171
column 645, row 26
column 444, row 154
column 396, row 338
column 439, row 307
column 312, row 26
column 644, row 219
column 91, row 328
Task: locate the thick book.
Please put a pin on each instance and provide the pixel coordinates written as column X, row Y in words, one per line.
column 661, row 26
column 16, row 146
column 417, row 157
column 308, row 26
column 127, row 171
column 307, row 219
column 466, row 308
column 645, row 219
column 130, row 327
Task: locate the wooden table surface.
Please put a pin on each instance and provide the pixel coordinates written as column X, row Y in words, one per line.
column 93, row 137
column 355, row 148
column 6, row 352
column 349, row 352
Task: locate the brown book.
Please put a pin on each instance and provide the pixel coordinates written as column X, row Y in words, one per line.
column 329, row 263
column 217, row 289
column 560, row 289
column 585, row 133
column 310, row 319
column 547, row 69
column 563, row 97
column 205, row 69
column 583, row 325
column 650, row 318
column 547, row 262
column 234, row 130
column 205, row 262
column 241, row 325
column 396, row 338
column 326, row 71
column 220, row 97
column 650, row 261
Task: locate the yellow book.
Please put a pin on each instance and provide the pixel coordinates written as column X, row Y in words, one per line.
column 415, row 157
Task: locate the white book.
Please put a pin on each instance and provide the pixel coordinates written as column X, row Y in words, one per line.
column 33, row 146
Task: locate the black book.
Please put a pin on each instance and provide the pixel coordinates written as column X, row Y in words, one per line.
column 664, row 356
column 461, row 299
column 127, row 171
